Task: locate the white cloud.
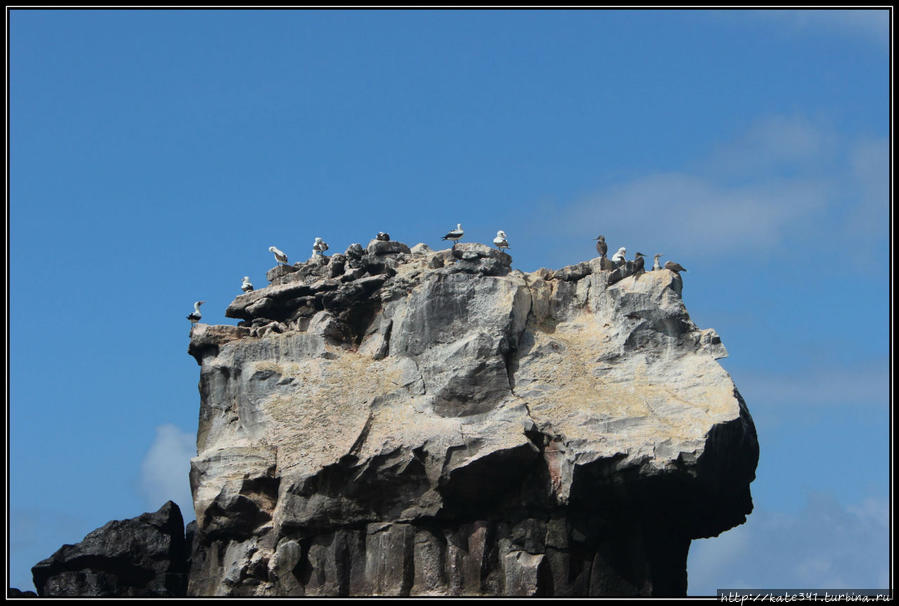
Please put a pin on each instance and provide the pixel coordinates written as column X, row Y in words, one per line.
column 165, row 470
column 871, row 509
column 773, row 143
column 867, row 385
column 872, row 26
column 777, row 188
column 689, row 214
column 826, row 545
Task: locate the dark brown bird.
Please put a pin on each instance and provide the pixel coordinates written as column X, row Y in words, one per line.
column 601, row 247
column 675, row 267
column 639, row 263
column 383, row 237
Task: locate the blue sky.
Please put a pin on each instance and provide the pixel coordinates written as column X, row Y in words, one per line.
column 155, row 155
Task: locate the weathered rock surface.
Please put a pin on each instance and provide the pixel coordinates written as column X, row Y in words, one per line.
column 381, row 247
column 145, row 556
column 435, row 423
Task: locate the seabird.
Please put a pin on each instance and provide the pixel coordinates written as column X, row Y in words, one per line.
column 319, row 247
column 618, row 257
column 500, row 240
column 195, row 316
column 639, row 263
column 601, row 247
column 246, row 286
column 455, row 234
column 280, row 256
column 383, row 237
column 655, row 262
column 675, row 267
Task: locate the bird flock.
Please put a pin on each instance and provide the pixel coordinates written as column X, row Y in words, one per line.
column 501, row 241
column 618, row 259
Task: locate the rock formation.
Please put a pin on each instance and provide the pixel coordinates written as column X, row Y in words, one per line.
column 15, row 592
column 391, row 421
column 145, row 556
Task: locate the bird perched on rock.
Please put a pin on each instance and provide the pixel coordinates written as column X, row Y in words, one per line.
column 383, row 237
column 455, row 234
column 655, row 262
column 675, row 267
column 195, row 316
column 639, row 263
column 280, row 256
column 500, row 241
column 601, row 247
column 246, row 286
column 319, row 247
column 618, row 257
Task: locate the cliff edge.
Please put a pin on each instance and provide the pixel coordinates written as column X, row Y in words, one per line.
column 415, row 422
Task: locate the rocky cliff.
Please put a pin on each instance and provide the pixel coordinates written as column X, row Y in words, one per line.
column 146, row 556
column 414, row 422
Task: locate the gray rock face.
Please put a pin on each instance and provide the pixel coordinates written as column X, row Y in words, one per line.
column 387, row 247
column 145, row 556
column 436, row 423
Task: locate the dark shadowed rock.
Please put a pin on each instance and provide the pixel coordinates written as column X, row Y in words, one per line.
column 354, row 251
column 337, row 265
column 13, row 592
column 145, row 556
column 573, row 273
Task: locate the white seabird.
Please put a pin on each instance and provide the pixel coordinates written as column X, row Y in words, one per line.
column 246, row 286
column 655, row 263
column 455, row 234
column 618, row 257
column 319, row 247
column 195, row 316
column 500, row 241
column 280, row 256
